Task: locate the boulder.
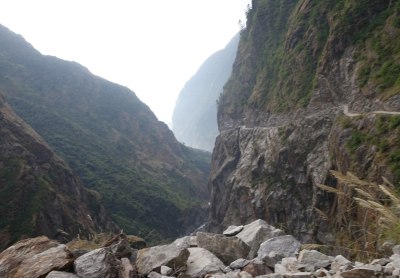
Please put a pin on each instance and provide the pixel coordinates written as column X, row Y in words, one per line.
column 227, row 249
column 34, row 257
column 239, row 264
column 201, row 262
column 166, row 271
column 97, row 263
column 232, row 230
column 273, row 275
column 291, row 264
column 313, row 260
column 232, row 274
column 255, row 233
column 186, row 242
column 61, row 274
column 152, row 258
column 278, row 247
column 299, row 275
column 257, row 267
column 127, row 270
column 244, row 274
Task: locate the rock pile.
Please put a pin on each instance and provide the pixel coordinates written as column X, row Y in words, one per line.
column 231, row 255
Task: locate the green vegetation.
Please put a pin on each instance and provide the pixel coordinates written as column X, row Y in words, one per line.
column 379, row 53
column 287, row 44
column 384, row 133
column 20, row 201
column 108, row 137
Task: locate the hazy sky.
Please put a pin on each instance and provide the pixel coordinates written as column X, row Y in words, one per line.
column 151, row 46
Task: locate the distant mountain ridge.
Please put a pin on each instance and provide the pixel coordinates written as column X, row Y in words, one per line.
column 39, row 194
column 108, row 137
column 194, row 119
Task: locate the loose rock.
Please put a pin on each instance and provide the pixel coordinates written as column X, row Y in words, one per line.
column 34, row 257
column 201, row 262
column 232, row 230
column 60, row 274
column 152, row 258
column 255, row 233
column 97, row 263
column 227, row 249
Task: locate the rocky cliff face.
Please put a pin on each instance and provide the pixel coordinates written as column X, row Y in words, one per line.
column 195, row 116
column 39, row 193
column 287, row 113
column 108, row 137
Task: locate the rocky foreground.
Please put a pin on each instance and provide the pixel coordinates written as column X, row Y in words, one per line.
column 253, row 250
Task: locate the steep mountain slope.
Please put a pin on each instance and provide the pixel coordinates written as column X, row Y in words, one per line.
column 39, row 194
column 300, row 65
column 195, row 116
column 108, row 137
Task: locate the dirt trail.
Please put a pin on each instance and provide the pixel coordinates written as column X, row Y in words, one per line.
column 347, row 113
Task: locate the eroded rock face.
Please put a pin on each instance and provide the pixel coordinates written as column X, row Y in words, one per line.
column 227, row 249
column 276, row 145
column 152, row 258
column 34, row 258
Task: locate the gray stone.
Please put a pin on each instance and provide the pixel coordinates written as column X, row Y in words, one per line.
column 273, row 275
column 34, row 257
column 273, row 258
column 232, row 230
column 201, row 262
column 166, row 271
column 280, row 269
column 239, row 264
column 299, row 275
column 396, row 249
column 232, row 274
column 257, row 267
column 257, row 232
column 291, row 264
column 61, row 274
column 342, row 260
column 395, row 260
column 227, row 249
column 152, row 258
column 97, row 263
column 127, row 270
column 282, row 246
column 381, row 261
column 183, row 242
column 313, row 259
column 154, row 274
column 244, row 274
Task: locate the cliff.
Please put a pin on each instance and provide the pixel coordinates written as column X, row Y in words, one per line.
column 195, row 115
column 39, row 193
column 307, row 85
column 108, row 137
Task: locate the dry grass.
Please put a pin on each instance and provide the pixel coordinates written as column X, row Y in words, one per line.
column 96, row 241
column 369, row 214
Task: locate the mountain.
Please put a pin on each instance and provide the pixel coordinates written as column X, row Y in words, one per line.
column 315, row 87
column 39, row 194
column 113, row 141
column 194, row 120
